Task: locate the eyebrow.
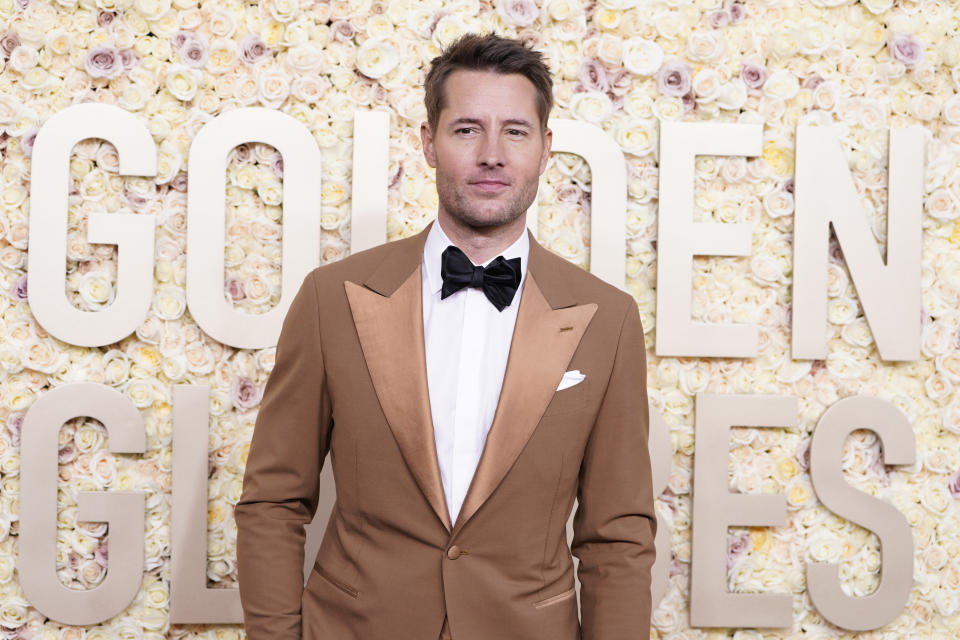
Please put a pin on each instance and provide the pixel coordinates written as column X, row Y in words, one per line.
column 509, row 121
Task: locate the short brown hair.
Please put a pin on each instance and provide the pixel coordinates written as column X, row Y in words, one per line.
column 488, row 53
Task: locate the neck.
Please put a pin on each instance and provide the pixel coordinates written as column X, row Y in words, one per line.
column 481, row 243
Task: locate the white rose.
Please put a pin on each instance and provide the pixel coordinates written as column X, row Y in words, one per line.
column 706, row 84
column 640, row 138
column 13, row 613
column 781, row 84
column 375, row 58
column 304, row 58
column 41, row 355
column 174, row 367
column 813, row 38
column 284, row 10
column 140, row 392
column 732, row 95
column 151, row 9
column 877, row 7
column 273, row 86
column 169, row 302
column 6, row 568
column 951, row 109
column 182, row 81
column 223, row 56
column 941, row 205
column 841, row 310
column 825, row 546
column 778, row 203
column 23, row 58
column 592, row 106
column 925, row 107
column 95, row 289
column 706, row 46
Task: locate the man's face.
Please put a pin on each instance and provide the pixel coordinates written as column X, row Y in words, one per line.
column 488, row 149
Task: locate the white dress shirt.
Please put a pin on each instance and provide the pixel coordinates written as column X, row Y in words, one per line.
column 464, row 377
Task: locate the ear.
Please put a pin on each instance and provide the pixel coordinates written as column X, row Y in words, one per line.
column 548, row 143
column 426, row 141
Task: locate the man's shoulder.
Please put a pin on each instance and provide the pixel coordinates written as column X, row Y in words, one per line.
column 587, row 288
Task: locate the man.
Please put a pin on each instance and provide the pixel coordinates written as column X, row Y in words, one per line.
column 463, row 407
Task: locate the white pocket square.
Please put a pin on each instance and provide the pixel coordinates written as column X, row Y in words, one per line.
column 571, row 378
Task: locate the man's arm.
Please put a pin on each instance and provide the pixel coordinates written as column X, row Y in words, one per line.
column 280, row 484
column 615, row 524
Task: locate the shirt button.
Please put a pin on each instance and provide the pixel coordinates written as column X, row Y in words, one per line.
column 453, row 552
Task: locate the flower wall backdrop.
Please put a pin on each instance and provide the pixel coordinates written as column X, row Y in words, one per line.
column 624, row 65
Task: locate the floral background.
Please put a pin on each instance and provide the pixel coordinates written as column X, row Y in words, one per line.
column 624, row 65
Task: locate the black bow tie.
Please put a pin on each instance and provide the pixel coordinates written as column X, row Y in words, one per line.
column 499, row 280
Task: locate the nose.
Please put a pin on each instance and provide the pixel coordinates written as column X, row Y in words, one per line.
column 490, row 151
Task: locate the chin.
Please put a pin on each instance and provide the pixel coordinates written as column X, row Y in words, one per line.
column 485, row 221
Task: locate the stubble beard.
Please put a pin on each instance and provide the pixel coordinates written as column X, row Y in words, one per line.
column 458, row 206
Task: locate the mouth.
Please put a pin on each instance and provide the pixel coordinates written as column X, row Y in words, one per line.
column 489, row 186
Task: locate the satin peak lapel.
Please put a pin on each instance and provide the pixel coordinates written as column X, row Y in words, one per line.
column 543, row 343
column 390, row 328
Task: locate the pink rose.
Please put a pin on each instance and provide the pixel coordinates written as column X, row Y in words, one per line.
column 736, row 12
column 179, row 182
column 18, row 291
column 521, row 13
column 718, row 18
column 252, row 48
column 907, row 49
column 15, row 420
column 737, row 547
column 193, row 52
column 179, row 38
column 101, row 554
column 593, row 76
column 245, row 394
column 103, row 62
column 128, row 58
column 673, row 78
column 9, row 40
column 343, row 31
column 234, row 289
column 954, row 485
column 104, row 18
column 753, row 75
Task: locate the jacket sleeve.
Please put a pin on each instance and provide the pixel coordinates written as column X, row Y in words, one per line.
column 280, row 484
column 615, row 524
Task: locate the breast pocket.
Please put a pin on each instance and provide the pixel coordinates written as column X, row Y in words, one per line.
column 570, row 399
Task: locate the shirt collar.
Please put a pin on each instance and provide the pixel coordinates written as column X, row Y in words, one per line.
column 437, row 241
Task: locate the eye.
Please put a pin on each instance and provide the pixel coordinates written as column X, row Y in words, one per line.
column 516, row 132
column 464, row 129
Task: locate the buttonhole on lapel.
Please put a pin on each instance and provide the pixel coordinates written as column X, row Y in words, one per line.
column 562, row 329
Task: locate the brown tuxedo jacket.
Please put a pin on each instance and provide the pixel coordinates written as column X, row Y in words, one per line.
column 350, row 378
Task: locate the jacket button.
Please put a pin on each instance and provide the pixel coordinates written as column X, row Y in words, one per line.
column 453, row 552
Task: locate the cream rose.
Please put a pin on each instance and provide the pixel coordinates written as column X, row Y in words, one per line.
column 592, row 106
column 182, row 81
column 273, row 87
column 376, row 58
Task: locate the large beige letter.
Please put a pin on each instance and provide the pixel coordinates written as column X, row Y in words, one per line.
column 132, row 233
column 608, row 204
column 679, row 238
column 825, row 196
column 660, row 461
column 896, row 543
column 206, row 214
column 715, row 509
column 368, row 197
column 122, row 510
column 190, row 599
